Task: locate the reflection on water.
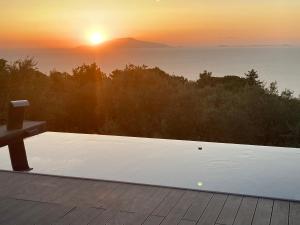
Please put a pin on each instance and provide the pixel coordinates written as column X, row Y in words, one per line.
column 240, row 169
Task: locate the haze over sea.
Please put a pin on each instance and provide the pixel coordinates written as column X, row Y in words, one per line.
column 279, row 64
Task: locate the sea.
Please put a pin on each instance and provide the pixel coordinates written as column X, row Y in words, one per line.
column 281, row 64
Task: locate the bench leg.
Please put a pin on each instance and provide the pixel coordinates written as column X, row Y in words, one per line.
column 18, row 156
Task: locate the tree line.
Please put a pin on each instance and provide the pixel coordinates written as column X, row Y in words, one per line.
column 148, row 102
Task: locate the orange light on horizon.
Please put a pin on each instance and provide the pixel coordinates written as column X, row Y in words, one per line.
column 96, row 38
column 52, row 24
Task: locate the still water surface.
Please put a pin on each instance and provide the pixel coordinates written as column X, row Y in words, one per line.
column 239, row 169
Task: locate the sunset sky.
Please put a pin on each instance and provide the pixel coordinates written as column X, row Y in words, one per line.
column 68, row 23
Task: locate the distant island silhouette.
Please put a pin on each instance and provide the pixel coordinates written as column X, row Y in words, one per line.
column 123, row 43
column 256, row 46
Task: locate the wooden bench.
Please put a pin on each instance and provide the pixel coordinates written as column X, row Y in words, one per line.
column 14, row 133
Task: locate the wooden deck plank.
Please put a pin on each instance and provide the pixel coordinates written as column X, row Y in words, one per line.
column 230, row 210
column 104, row 217
column 246, row 211
column 48, row 200
column 81, row 195
column 5, row 203
column 14, row 184
column 198, row 207
column 180, row 209
column 138, row 219
column 2, row 201
column 294, row 216
column 96, row 191
column 56, row 190
column 137, row 197
column 168, row 203
column 79, row 216
column 5, row 181
column 129, row 197
column 85, row 193
column 40, row 213
column 70, row 191
column 154, row 201
column 187, row 222
column 51, row 215
column 36, row 188
column 280, row 214
column 211, row 213
column 12, row 209
column 15, row 211
column 153, row 220
column 122, row 218
column 263, row 212
column 116, row 217
column 115, row 198
column 50, row 189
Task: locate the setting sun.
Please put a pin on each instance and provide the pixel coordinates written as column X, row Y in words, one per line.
column 96, row 38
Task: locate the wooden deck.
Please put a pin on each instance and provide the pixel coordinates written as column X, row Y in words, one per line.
column 27, row 199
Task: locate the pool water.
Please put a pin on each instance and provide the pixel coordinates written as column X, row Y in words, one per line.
column 238, row 169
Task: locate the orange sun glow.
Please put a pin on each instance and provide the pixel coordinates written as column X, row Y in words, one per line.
column 96, row 38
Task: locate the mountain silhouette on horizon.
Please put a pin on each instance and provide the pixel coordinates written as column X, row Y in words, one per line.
column 124, row 43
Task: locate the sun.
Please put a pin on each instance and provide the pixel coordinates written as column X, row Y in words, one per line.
column 96, row 38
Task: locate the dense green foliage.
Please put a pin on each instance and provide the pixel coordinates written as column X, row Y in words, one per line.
column 141, row 101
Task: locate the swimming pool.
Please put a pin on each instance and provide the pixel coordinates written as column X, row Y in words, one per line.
column 238, row 169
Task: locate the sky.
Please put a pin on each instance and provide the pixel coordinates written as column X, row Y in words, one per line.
column 69, row 23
